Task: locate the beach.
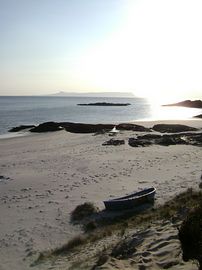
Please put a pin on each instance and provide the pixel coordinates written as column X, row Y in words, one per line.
column 45, row 176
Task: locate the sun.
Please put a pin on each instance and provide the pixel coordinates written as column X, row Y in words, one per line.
column 143, row 56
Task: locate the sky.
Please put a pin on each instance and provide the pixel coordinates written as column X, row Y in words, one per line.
column 151, row 48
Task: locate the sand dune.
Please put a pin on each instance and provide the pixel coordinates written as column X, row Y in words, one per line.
column 156, row 247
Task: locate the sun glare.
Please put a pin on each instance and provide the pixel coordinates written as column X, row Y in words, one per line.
column 147, row 55
column 159, row 112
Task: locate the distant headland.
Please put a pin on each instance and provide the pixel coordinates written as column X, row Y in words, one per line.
column 187, row 103
column 93, row 94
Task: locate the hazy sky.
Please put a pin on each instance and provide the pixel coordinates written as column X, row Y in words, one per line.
column 153, row 48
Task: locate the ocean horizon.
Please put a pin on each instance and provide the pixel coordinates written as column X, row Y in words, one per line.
column 24, row 110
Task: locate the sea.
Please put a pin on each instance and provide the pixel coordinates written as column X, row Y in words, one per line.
column 26, row 110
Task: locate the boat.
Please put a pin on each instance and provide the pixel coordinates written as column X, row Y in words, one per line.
column 132, row 200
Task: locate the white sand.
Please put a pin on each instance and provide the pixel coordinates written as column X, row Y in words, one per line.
column 50, row 174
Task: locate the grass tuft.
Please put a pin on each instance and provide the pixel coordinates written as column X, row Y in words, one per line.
column 83, row 211
column 72, row 244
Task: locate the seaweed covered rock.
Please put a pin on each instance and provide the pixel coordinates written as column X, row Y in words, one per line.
column 139, row 142
column 167, row 140
column 194, row 139
column 86, row 128
column 46, row 127
column 114, row 142
column 190, row 236
column 92, row 128
column 172, row 128
column 80, row 127
column 132, row 127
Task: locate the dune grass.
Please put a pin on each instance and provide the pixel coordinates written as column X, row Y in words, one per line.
column 176, row 209
column 83, row 211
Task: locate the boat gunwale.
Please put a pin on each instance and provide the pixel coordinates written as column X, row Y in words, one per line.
column 132, row 196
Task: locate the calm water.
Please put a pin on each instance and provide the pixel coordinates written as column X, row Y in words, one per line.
column 16, row 111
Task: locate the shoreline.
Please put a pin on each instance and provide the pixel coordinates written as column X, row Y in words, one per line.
column 13, row 135
column 197, row 123
column 194, row 122
column 45, row 176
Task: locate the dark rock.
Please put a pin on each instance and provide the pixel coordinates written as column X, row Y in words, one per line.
column 188, row 138
column 172, row 128
column 150, row 136
column 46, row 127
column 188, row 103
column 81, row 127
column 4, row 178
column 22, row 127
column 132, row 127
column 167, row 140
column 139, row 142
column 114, row 142
column 104, row 104
column 86, row 128
column 195, row 139
column 145, row 140
column 198, row 116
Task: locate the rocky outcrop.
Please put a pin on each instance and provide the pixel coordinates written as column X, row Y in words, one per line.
column 80, row 127
column 139, row 142
column 170, row 128
column 46, row 127
column 198, row 116
column 166, row 140
column 22, row 127
column 104, row 104
column 86, row 128
column 187, row 103
column 101, row 128
column 68, row 126
column 114, row 142
column 132, row 127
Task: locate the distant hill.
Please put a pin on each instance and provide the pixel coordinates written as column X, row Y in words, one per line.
column 93, row 94
column 187, row 103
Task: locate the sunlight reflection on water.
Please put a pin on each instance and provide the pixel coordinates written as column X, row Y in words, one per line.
column 159, row 112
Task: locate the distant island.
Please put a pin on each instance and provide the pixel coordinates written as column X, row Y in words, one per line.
column 188, row 103
column 104, row 104
column 198, row 116
column 93, row 94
